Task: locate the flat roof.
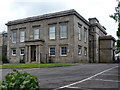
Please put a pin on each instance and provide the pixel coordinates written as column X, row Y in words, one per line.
column 109, row 37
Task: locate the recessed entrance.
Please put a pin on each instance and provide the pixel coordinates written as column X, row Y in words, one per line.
column 33, row 53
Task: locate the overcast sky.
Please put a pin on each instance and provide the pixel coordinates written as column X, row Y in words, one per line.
column 18, row 9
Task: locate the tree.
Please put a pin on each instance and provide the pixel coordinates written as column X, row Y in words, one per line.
column 116, row 17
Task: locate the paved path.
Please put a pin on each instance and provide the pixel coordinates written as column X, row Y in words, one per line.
column 80, row 76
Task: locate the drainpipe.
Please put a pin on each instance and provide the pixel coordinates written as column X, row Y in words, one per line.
column 99, row 50
column 93, row 48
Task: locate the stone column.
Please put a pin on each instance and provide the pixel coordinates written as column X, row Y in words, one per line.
column 39, row 55
column 36, row 53
column 26, row 54
column 29, row 54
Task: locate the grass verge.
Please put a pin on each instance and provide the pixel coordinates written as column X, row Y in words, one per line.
column 32, row 65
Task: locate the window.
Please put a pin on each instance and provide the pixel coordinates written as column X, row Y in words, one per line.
column 22, row 36
column 0, row 39
column 52, row 51
column 92, row 29
column 21, row 51
column 36, row 33
column 14, row 52
column 63, row 51
column 63, row 31
column 85, row 51
column 14, row 37
column 52, row 32
column 79, row 50
column 85, row 35
column 79, row 32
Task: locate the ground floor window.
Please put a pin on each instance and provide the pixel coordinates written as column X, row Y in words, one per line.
column 85, row 51
column 14, row 52
column 52, row 51
column 21, row 51
column 79, row 50
column 63, row 51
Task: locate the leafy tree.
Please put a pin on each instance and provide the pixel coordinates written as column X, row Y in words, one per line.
column 3, row 58
column 116, row 17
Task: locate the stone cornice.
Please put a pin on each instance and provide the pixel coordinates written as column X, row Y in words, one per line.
column 48, row 16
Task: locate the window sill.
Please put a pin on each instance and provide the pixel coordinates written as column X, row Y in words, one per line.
column 51, row 55
column 22, row 42
column 63, row 38
column 13, row 55
column 52, row 39
column 13, row 42
column 63, row 55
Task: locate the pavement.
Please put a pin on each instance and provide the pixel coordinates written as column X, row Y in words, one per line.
column 77, row 77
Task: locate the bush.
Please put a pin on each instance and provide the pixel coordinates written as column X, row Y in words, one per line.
column 3, row 58
column 21, row 81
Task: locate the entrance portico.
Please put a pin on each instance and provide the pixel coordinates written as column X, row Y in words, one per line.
column 32, row 48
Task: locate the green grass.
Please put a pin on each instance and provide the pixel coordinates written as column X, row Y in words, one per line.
column 32, row 65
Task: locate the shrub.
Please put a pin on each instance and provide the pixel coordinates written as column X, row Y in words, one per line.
column 21, row 81
column 3, row 58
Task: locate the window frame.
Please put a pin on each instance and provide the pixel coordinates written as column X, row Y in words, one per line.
column 13, row 37
column 52, row 32
column 20, row 51
column 13, row 53
column 61, row 31
column 22, row 36
column 79, row 50
column 36, row 28
column 61, row 51
column 85, row 35
column 85, row 51
column 79, row 32
column 50, row 51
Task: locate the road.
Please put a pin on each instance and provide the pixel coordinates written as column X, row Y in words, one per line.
column 77, row 77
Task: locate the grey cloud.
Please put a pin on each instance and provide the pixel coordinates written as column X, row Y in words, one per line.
column 38, row 8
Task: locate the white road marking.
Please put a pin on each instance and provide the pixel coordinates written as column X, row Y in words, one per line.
column 72, row 87
column 106, row 80
column 86, row 78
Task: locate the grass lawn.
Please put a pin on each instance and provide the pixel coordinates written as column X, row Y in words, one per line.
column 32, row 65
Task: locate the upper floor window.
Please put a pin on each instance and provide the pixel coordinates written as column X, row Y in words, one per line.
column 52, row 51
column 22, row 36
column 92, row 29
column 63, row 51
column 52, row 32
column 85, row 35
column 79, row 32
column 14, row 36
column 36, row 33
column 63, row 31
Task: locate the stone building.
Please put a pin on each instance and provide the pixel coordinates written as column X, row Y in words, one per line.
column 107, row 49
column 3, row 43
column 98, row 40
column 61, row 37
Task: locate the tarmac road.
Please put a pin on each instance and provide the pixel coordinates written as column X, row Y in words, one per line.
column 77, row 77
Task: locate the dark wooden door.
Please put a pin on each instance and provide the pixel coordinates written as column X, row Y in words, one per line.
column 33, row 53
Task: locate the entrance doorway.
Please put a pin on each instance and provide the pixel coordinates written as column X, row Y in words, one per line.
column 33, row 53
